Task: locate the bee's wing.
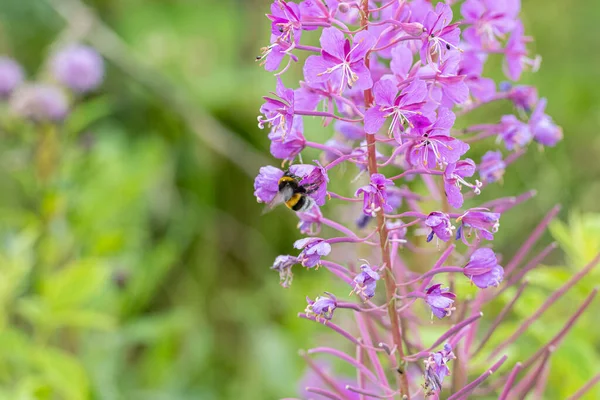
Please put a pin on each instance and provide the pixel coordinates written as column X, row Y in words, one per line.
column 281, row 197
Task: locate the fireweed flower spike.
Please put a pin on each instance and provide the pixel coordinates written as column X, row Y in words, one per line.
column 389, row 80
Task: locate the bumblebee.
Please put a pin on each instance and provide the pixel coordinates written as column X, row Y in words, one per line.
column 295, row 196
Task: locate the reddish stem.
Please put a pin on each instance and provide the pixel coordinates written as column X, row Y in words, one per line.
column 390, row 287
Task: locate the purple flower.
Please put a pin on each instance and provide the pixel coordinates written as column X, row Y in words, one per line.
column 483, row 269
column 287, row 147
column 78, row 67
column 285, row 22
column 266, row 184
column 286, row 30
column 449, row 87
column 489, row 20
column 436, row 369
column 440, row 300
column 322, row 307
column 375, row 195
column 310, row 221
column 341, row 61
column 403, row 108
column 11, row 76
column 440, row 226
column 312, row 251
column 315, row 183
column 39, row 102
column 523, row 97
column 439, row 36
column 516, row 55
column 366, row 282
column 454, row 180
column 544, row 130
column 484, row 223
column 514, row 133
column 491, row 168
column 278, row 112
column 283, row 265
column 437, row 147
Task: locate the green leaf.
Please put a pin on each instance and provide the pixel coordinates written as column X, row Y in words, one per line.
column 74, row 285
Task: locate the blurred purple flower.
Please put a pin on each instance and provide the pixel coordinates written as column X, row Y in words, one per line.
column 491, row 168
column 544, row 130
column 78, row 67
column 39, row 102
column 11, row 76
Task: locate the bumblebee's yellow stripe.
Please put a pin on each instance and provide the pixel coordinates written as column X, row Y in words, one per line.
column 293, row 200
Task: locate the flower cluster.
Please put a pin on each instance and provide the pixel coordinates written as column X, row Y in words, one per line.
column 388, row 79
column 78, row 69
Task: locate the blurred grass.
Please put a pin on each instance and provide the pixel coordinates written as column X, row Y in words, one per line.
column 184, row 305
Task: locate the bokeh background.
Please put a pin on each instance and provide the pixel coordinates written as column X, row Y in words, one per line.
column 142, row 270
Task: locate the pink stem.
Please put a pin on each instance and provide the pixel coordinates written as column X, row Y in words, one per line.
column 555, row 296
column 500, row 317
column 325, row 114
column 325, row 393
column 528, row 382
column 360, row 379
column 333, row 326
column 309, row 48
column 337, row 196
column 345, row 357
column 326, row 378
column 555, row 341
column 535, row 235
column 416, row 171
column 529, row 266
column 364, row 333
column 462, row 393
column 323, row 147
column 437, row 265
column 338, row 227
column 585, row 388
column 370, row 394
column 456, row 328
column 511, row 379
column 431, row 273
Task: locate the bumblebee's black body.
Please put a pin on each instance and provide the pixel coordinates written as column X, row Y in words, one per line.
column 295, row 196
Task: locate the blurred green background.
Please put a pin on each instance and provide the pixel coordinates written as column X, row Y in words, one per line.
column 142, row 270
